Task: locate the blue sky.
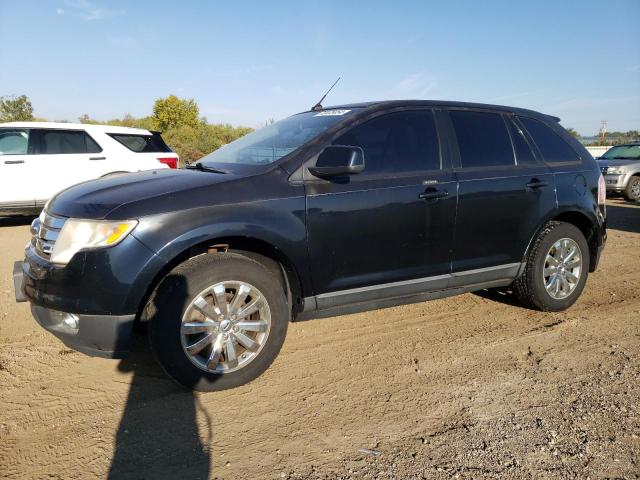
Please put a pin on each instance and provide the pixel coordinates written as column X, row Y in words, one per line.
column 246, row 62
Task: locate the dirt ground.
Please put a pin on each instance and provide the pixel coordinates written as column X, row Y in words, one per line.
column 466, row 387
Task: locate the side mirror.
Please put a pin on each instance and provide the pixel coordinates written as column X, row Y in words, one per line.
column 338, row 160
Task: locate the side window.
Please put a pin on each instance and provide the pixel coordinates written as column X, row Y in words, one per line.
column 483, row 139
column 92, row 145
column 62, row 141
column 397, row 142
column 141, row 143
column 14, row 142
column 524, row 155
column 553, row 148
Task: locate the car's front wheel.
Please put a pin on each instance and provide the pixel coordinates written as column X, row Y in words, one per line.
column 556, row 268
column 217, row 321
column 632, row 190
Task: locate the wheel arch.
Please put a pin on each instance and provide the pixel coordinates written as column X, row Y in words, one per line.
column 578, row 219
column 268, row 254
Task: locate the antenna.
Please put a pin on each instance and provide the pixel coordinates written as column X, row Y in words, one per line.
column 318, row 106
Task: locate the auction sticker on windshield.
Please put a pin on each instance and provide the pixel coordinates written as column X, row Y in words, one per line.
column 328, row 113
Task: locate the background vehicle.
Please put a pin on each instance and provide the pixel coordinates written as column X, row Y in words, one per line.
column 326, row 212
column 38, row 159
column 620, row 166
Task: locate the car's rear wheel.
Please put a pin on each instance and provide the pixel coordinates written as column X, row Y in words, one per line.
column 218, row 321
column 556, row 268
column 632, row 190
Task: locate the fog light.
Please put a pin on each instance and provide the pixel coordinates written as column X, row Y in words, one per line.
column 64, row 322
column 71, row 321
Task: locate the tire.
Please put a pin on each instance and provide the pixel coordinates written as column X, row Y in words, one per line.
column 632, row 190
column 173, row 303
column 531, row 287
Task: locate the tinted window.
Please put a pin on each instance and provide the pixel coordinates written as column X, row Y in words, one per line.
column 62, row 141
column 482, row 139
column 14, row 142
column 92, row 146
column 553, row 148
column 524, row 155
column 142, row 143
column 397, row 142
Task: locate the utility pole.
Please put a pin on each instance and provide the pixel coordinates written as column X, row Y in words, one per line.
column 603, row 132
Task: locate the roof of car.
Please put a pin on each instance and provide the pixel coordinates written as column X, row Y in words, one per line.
column 77, row 126
column 438, row 103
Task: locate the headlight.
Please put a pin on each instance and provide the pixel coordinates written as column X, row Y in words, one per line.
column 79, row 235
column 616, row 170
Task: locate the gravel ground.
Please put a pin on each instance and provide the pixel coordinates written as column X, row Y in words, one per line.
column 473, row 386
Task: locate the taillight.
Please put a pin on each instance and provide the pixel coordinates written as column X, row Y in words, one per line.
column 602, row 191
column 171, row 162
column 602, row 194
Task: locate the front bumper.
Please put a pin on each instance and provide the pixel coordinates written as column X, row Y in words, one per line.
column 616, row 182
column 106, row 336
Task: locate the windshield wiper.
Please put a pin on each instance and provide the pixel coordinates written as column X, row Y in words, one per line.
column 204, row 168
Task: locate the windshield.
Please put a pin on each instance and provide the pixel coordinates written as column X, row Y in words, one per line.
column 623, row 152
column 274, row 141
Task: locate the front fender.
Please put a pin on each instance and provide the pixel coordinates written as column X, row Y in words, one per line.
column 278, row 222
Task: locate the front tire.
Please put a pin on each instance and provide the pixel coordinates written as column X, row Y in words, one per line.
column 217, row 321
column 556, row 268
column 632, row 190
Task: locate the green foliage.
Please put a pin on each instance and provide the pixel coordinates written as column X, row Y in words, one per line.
column 188, row 135
column 16, row 109
column 573, row 132
column 194, row 142
column 174, row 112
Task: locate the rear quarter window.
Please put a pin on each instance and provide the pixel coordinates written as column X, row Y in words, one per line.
column 553, row 148
column 141, row 143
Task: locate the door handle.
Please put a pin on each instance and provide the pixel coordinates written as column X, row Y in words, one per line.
column 535, row 184
column 13, row 162
column 433, row 194
column 97, row 158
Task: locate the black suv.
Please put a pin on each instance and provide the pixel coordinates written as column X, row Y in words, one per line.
column 330, row 211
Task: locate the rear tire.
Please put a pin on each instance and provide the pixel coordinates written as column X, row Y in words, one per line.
column 554, row 277
column 194, row 306
column 632, row 190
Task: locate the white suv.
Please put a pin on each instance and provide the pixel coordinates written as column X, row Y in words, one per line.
column 38, row 159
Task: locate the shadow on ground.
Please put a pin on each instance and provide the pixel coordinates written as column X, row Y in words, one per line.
column 158, row 434
column 16, row 221
column 623, row 216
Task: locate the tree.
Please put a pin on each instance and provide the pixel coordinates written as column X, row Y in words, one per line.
column 174, row 112
column 573, row 132
column 15, row 109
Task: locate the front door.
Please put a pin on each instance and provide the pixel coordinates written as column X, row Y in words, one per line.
column 390, row 224
column 16, row 187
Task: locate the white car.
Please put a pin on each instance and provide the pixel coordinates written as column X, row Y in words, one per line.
column 38, row 159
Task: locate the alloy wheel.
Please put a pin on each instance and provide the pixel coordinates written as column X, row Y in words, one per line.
column 225, row 326
column 562, row 268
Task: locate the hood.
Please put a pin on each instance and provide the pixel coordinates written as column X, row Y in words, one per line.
column 138, row 194
column 610, row 162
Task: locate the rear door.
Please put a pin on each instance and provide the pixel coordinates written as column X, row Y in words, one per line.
column 391, row 223
column 62, row 159
column 504, row 191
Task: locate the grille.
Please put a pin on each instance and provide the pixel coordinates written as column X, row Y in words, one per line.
column 45, row 230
